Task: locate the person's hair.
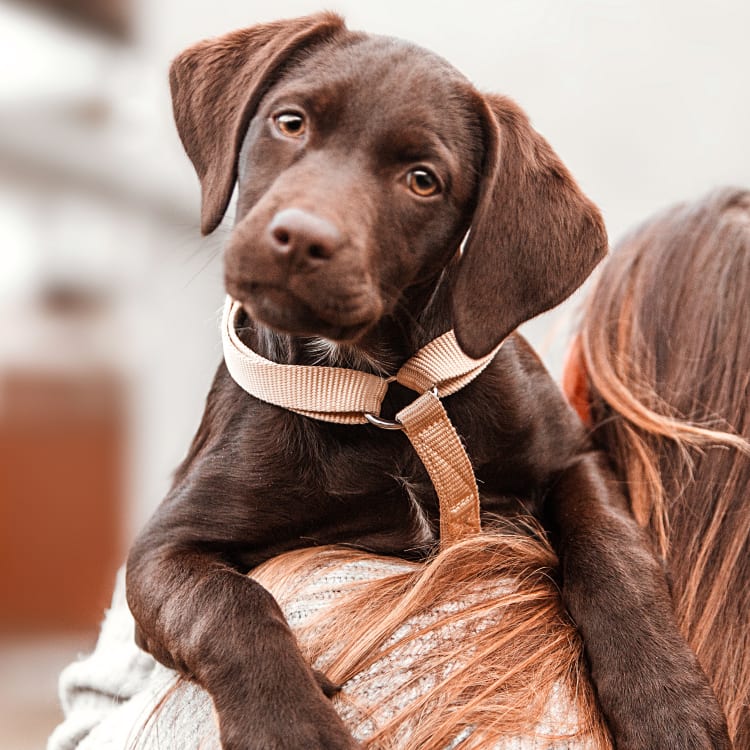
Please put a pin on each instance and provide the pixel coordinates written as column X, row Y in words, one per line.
column 666, row 346
column 498, row 658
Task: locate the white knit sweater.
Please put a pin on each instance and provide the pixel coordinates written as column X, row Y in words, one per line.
column 109, row 696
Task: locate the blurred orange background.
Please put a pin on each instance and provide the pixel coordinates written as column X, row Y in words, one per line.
column 109, row 297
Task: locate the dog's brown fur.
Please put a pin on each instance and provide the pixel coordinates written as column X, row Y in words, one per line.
column 365, row 262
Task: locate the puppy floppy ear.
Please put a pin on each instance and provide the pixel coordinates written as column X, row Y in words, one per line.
column 534, row 237
column 216, row 87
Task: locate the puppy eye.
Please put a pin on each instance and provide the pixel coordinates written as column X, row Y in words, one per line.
column 422, row 182
column 290, row 124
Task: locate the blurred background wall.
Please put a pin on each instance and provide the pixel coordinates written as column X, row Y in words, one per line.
column 109, row 298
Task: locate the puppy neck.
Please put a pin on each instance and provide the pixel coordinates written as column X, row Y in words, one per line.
column 381, row 351
column 378, row 359
column 375, row 354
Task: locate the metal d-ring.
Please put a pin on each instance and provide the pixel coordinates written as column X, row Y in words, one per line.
column 384, row 424
column 390, row 424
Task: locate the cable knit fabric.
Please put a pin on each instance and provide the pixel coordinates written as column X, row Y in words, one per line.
column 119, row 698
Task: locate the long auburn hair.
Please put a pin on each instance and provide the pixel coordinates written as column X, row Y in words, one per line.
column 495, row 647
column 666, row 347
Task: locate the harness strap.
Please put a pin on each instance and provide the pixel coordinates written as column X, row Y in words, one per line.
column 337, row 394
column 436, row 442
column 332, row 394
column 442, row 364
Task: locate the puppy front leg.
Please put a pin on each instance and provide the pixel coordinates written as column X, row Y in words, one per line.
column 197, row 614
column 648, row 681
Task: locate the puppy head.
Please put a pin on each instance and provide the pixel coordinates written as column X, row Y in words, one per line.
column 361, row 162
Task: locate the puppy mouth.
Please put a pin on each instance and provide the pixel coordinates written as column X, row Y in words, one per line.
column 284, row 311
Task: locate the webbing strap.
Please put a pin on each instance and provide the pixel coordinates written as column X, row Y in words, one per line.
column 442, row 364
column 333, row 394
column 436, row 441
column 337, row 394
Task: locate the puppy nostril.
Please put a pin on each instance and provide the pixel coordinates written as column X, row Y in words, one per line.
column 317, row 251
column 281, row 235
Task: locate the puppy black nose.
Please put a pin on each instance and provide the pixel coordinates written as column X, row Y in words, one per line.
column 303, row 236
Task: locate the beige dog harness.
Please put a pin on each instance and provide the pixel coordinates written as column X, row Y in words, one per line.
column 337, row 394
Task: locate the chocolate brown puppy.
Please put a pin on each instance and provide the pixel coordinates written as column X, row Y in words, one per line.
column 362, row 162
